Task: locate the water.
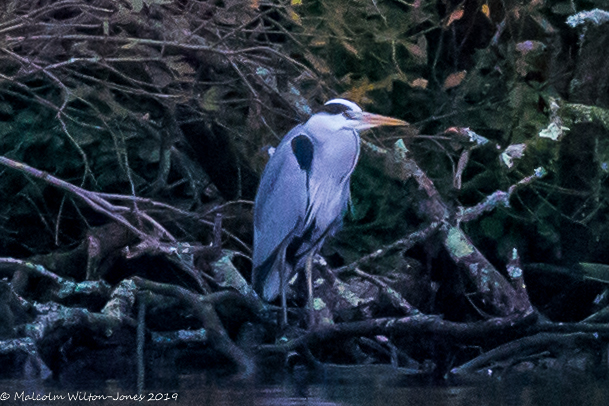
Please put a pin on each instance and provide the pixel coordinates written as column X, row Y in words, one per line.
column 373, row 389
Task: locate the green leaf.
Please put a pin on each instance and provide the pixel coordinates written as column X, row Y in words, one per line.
column 211, row 99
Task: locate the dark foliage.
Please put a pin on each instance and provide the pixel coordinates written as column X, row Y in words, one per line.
column 127, row 126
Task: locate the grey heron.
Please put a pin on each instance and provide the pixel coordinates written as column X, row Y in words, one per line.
column 304, row 192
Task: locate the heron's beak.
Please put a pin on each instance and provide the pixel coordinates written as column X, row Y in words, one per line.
column 369, row 120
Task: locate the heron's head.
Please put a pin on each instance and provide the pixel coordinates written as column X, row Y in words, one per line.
column 346, row 113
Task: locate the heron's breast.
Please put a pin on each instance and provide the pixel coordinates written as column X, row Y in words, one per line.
column 338, row 157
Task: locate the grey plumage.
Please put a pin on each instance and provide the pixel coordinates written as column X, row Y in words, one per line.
column 304, row 191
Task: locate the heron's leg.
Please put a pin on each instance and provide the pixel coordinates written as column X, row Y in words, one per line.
column 284, row 304
column 283, row 321
column 309, row 275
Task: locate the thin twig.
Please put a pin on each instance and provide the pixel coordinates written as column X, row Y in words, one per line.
column 91, row 198
column 498, row 198
column 403, row 244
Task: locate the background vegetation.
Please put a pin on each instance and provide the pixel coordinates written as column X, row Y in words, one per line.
column 178, row 101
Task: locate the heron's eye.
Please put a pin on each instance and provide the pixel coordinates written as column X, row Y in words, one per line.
column 349, row 114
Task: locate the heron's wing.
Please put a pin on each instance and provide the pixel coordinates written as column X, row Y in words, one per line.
column 281, row 204
column 336, row 155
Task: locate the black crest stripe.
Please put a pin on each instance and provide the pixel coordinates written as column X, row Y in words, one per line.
column 335, row 108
